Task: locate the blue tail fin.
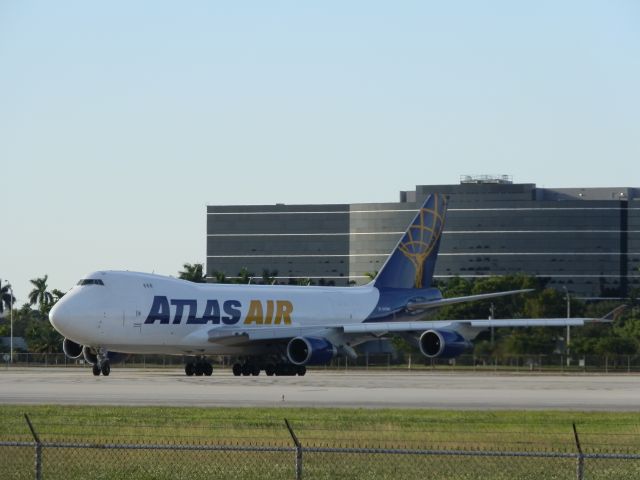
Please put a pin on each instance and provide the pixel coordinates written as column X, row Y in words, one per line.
column 412, row 262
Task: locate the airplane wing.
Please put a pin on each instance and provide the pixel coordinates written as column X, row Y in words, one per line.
column 236, row 336
column 470, row 298
column 381, row 327
column 378, row 327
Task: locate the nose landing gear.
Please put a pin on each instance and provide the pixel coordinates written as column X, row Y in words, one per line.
column 102, row 365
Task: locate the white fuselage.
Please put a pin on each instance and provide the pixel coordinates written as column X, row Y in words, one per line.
column 143, row 313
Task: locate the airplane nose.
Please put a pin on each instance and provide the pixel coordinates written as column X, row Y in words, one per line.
column 59, row 315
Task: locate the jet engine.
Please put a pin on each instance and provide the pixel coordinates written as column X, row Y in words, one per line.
column 71, row 349
column 442, row 343
column 310, row 351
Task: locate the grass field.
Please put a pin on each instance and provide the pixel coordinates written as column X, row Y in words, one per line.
column 389, row 428
column 542, row 431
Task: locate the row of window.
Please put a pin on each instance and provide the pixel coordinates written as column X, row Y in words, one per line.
column 90, row 281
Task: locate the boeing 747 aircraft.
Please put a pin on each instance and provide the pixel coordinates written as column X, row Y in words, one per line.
column 276, row 328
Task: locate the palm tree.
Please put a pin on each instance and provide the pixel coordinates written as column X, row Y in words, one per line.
column 6, row 299
column 57, row 294
column 42, row 338
column 192, row 273
column 244, row 276
column 220, row 277
column 40, row 295
column 269, row 277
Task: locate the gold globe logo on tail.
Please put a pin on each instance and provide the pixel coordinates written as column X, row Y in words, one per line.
column 423, row 236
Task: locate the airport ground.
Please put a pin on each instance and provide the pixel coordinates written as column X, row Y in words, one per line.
column 319, row 388
column 384, row 410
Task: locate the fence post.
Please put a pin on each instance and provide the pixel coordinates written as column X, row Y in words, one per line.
column 580, row 465
column 38, row 460
column 298, row 450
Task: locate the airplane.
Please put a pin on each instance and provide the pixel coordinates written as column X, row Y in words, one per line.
column 278, row 329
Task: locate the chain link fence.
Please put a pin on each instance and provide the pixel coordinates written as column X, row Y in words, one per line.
column 52, row 460
column 382, row 361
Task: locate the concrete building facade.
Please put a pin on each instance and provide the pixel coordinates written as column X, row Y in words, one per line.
column 584, row 239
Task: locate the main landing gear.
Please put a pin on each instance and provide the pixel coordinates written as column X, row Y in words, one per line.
column 278, row 369
column 198, row 368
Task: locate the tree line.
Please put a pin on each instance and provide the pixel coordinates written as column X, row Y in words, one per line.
column 622, row 337
column 30, row 321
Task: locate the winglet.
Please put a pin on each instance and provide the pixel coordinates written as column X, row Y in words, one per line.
column 412, row 262
column 614, row 314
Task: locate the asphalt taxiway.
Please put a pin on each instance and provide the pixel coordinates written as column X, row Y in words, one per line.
column 368, row 389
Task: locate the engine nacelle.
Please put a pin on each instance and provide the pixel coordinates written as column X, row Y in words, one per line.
column 442, row 343
column 71, row 349
column 310, row 351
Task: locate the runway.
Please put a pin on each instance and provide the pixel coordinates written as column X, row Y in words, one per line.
column 424, row 389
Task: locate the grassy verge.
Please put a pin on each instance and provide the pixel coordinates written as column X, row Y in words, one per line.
column 389, row 428
column 392, row 428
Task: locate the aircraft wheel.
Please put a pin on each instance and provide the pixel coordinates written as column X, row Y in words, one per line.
column 270, row 369
column 255, row 370
column 105, row 369
column 188, row 369
column 207, row 369
column 237, row 369
column 96, row 369
column 301, row 370
column 198, row 370
column 246, row 369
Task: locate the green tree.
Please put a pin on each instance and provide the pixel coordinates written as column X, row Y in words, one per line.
column 192, row 273
column 6, row 298
column 615, row 345
column 244, row 276
column 57, row 295
column 548, row 303
column 40, row 295
column 220, row 277
column 41, row 337
column 530, row 341
column 269, row 277
column 371, row 275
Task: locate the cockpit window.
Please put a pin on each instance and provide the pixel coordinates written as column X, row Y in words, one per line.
column 90, row 281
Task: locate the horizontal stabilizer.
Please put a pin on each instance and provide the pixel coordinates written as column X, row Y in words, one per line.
column 451, row 301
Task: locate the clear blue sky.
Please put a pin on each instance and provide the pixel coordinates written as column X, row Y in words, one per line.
column 120, row 121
